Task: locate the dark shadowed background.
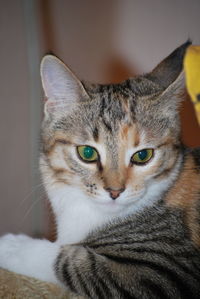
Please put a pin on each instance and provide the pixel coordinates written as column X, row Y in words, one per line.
column 102, row 41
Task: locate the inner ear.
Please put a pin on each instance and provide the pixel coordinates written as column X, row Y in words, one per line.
column 62, row 88
column 173, row 94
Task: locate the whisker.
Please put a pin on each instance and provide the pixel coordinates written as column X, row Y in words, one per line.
column 31, row 193
column 30, row 208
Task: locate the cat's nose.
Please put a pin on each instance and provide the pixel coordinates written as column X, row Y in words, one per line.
column 114, row 193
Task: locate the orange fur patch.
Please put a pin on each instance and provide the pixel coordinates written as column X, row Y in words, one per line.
column 182, row 194
column 129, row 136
column 185, row 195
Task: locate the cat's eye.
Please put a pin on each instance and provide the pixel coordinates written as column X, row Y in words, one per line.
column 87, row 153
column 142, row 157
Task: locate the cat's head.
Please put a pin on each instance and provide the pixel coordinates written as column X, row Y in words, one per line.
column 117, row 144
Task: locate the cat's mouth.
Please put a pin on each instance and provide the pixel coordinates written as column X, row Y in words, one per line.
column 123, row 200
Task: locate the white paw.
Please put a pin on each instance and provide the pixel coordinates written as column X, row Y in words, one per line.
column 32, row 257
column 11, row 249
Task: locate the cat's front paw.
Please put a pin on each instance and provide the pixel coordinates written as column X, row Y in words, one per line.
column 11, row 250
column 28, row 256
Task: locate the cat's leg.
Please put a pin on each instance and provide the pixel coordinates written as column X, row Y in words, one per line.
column 28, row 256
column 86, row 273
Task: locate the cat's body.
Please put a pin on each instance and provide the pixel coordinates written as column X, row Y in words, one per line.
column 151, row 254
column 113, row 154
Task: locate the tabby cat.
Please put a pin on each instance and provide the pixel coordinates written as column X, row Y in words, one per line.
column 124, row 189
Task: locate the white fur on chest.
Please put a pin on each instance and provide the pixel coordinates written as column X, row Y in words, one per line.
column 76, row 215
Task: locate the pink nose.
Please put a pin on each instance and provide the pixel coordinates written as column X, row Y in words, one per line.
column 114, row 193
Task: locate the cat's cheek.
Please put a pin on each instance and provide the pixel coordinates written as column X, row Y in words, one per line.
column 135, row 182
column 56, row 158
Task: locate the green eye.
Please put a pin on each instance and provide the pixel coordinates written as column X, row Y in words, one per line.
column 143, row 156
column 87, row 153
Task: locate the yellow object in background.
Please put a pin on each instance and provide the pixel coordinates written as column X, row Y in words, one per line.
column 192, row 73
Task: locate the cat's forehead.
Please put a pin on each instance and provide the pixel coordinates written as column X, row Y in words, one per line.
column 128, row 89
column 119, row 102
column 110, row 110
column 112, row 113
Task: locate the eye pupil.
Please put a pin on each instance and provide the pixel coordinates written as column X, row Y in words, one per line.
column 142, row 155
column 88, row 152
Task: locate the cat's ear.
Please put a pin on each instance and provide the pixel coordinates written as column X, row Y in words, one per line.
column 169, row 76
column 62, row 89
column 169, row 70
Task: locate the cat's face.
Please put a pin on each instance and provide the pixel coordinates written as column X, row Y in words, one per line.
column 103, row 151
column 117, row 145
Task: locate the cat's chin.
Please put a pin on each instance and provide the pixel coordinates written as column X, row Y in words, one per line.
column 120, row 204
column 113, row 207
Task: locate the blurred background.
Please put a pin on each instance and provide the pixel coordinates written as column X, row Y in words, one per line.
column 101, row 41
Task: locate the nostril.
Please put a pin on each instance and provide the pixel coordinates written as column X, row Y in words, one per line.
column 114, row 193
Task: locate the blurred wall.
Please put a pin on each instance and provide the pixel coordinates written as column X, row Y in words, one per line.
column 102, row 41
column 80, row 33
column 21, row 208
column 147, row 31
column 14, row 118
